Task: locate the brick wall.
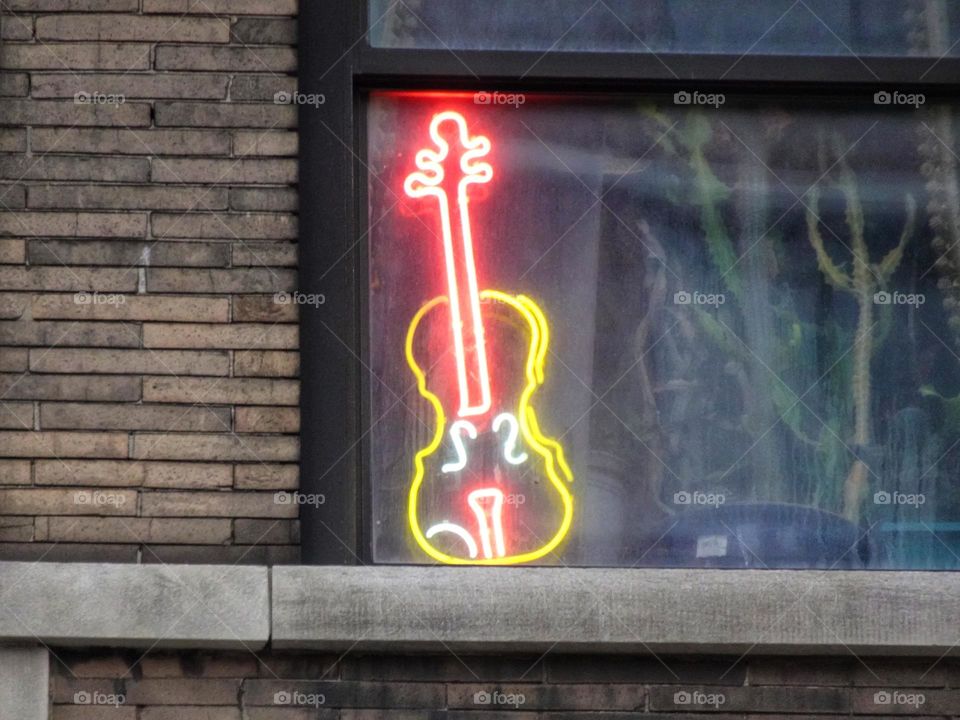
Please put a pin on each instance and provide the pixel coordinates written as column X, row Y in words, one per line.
column 203, row 686
column 148, row 391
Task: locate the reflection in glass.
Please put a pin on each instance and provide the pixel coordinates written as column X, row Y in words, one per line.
column 754, row 313
column 928, row 28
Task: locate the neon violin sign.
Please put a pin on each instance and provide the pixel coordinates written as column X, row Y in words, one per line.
column 489, row 488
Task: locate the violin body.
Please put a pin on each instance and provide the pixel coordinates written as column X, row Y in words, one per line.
column 517, row 477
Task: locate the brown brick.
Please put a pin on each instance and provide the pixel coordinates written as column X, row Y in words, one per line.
column 65, row 334
column 14, row 472
column 13, row 305
column 62, row 112
column 268, row 419
column 120, row 141
column 263, row 308
column 13, row 140
column 68, row 502
column 14, row 386
column 76, row 56
column 763, row 699
column 234, row 59
column 264, row 476
column 62, row 444
column 16, row 415
column 132, row 85
column 187, row 476
column 73, row 224
column 96, row 473
column 175, row 664
column 275, row 199
column 13, row 360
column 16, row 27
column 12, row 197
column 128, row 253
column 251, row 391
column 261, row 87
column 211, row 170
column 264, row 254
column 247, row 448
column 395, row 696
column 76, row 279
column 119, row 362
column 228, row 555
column 161, row 335
column 143, row 197
column 225, row 225
column 278, row 143
column 190, row 713
column 70, row 167
column 12, row 251
column 138, row 530
column 13, row 84
column 215, row 504
column 265, row 31
column 131, row 27
column 266, row 363
column 180, row 691
column 16, row 529
column 624, row 697
column 226, row 7
column 70, row 552
column 72, row 5
column 266, row 532
column 134, row 307
column 128, row 473
column 168, row 418
column 232, row 115
column 241, row 280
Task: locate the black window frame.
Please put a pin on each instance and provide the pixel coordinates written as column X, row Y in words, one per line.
column 337, row 61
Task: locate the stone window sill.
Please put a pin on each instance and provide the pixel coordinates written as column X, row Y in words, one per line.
column 389, row 608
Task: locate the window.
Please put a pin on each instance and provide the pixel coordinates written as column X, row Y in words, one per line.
column 598, row 321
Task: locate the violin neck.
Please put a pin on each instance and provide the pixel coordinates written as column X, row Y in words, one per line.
column 466, row 321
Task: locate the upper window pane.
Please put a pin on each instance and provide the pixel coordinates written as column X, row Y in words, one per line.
column 794, row 27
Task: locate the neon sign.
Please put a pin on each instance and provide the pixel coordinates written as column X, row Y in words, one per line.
column 486, row 446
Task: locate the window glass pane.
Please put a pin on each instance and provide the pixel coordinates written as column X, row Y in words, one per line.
column 822, row 27
column 747, row 319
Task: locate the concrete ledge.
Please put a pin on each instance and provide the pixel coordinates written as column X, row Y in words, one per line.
column 615, row 610
column 24, row 683
column 173, row 606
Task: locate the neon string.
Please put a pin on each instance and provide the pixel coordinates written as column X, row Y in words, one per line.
column 513, row 434
column 496, row 515
column 456, row 435
column 456, row 530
